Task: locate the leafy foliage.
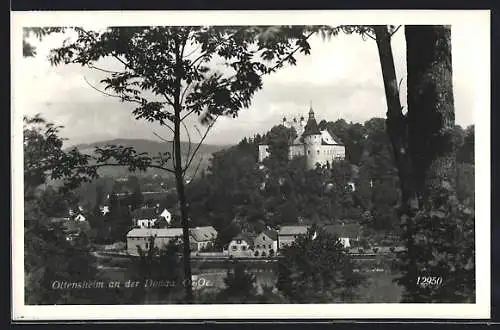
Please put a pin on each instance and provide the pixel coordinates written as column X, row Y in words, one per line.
column 240, row 286
column 49, row 256
column 38, row 32
column 443, row 243
column 317, row 269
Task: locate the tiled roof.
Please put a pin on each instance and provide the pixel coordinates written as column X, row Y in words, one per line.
column 328, row 139
column 203, row 234
column 272, row 234
column 159, row 232
column 351, row 230
column 76, row 226
column 292, row 230
column 247, row 237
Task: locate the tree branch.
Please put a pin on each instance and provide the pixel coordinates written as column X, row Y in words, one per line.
column 197, row 168
column 288, row 56
column 187, row 114
column 118, row 164
column 101, row 91
column 189, row 141
column 162, row 138
column 199, row 144
column 369, row 35
column 193, row 51
column 126, row 64
column 395, row 30
column 167, row 141
column 91, row 66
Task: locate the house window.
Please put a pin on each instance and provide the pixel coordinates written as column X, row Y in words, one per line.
column 318, row 151
column 308, row 152
column 263, row 238
column 258, row 246
column 269, row 246
column 234, row 247
column 243, row 248
column 147, row 245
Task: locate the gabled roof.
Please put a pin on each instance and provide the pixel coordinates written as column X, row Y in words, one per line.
column 247, row 237
column 72, row 226
column 328, row 139
column 158, row 232
column 272, row 234
column 351, row 230
column 203, row 234
column 293, row 230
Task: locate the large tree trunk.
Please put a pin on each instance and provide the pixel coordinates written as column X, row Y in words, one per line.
column 430, row 119
column 396, row 122
column 397, row 129
column 431, row 115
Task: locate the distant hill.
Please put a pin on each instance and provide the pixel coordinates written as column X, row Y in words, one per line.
column 152, row 148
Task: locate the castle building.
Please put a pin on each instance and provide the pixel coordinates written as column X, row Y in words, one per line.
column 318, row 146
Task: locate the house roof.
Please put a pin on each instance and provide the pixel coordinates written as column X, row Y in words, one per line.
column 145, row 213
column 76, row 226
column 202, row 234
column 328, row 139
column 272, row 234
column 293, row 230
column 247, row 237
column 347, row 230
column 159, row 232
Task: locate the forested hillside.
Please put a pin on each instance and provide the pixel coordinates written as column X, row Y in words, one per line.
column 236, row 192
column 152, row 148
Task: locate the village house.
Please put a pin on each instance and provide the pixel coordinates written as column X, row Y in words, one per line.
column 241, row 246
column 75, row 229
column 347, row 233
column 266, row 243
column 141, row 237
column 288, row 234
column 144, row 217
column 165, row 214
column 203, row 237
column 77, row 214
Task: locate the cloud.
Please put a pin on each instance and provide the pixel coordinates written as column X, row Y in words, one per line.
column 342, row 78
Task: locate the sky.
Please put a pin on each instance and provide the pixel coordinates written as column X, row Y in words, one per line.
column 341, row 78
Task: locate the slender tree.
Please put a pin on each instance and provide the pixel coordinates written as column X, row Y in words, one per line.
column 171, row 73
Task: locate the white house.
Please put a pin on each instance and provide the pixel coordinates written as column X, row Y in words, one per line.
column 347, row 233
column 266, row 243
column 241, row 246
column 288, row 234
column 203, row 237
column 145, row 217
column 141, row 237
column 79, row 217
column 166, row 215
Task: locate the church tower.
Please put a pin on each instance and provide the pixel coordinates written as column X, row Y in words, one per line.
column 312, row 141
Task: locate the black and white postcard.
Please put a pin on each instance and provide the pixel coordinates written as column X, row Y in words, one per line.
column 293, row 164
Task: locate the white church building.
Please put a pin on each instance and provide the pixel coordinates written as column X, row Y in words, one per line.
column 319, row 146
